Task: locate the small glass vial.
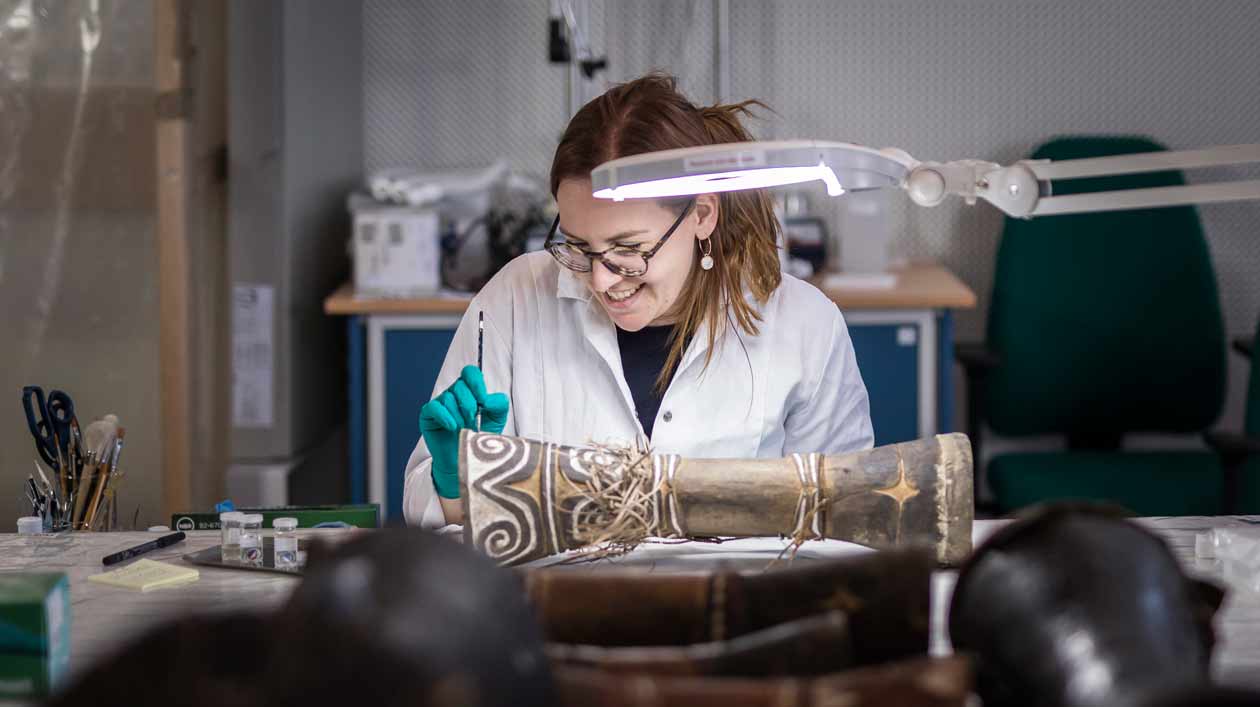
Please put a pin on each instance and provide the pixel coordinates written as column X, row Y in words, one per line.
column 286, row 543
column 230, row 527
column 251, row 539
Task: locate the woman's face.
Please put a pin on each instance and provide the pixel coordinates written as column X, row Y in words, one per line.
column 598, row 224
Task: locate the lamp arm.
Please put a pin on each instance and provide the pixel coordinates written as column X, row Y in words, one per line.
column 1023, row 189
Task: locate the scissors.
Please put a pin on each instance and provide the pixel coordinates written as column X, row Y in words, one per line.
column 50, row 421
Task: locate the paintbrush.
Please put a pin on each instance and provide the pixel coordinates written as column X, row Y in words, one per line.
column 109, row 473
column 49, row 489
column 481, row 336
column 96, row 438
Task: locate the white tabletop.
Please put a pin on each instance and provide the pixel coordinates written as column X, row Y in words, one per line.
column 103, row 616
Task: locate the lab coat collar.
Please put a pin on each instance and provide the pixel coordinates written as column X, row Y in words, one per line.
column 601, row 332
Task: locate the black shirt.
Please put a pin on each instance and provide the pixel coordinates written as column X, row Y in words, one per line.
column 643, row 355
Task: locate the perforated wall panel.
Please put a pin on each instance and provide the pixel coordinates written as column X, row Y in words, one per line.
column 462, row 81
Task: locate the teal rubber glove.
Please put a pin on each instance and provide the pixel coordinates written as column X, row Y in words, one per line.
column 455, row 409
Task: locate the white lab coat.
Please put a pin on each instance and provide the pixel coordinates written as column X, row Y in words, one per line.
column 795, row 387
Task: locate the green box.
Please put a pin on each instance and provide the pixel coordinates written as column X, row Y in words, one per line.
column 366, row 515
column 34, row 633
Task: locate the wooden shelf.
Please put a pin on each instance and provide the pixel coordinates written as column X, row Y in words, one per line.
column 345, row 301
column 919, row 286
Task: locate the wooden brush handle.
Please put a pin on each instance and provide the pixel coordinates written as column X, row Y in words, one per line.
column 82, row 492
column 99, row 493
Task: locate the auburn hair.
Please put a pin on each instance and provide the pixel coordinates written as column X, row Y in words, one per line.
column 650, row 114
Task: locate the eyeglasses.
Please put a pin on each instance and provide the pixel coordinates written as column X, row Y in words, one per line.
column 623, row 260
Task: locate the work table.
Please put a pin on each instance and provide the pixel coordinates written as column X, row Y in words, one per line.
column 104, row 616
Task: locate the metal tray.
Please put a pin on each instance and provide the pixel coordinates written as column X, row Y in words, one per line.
column 213, row 557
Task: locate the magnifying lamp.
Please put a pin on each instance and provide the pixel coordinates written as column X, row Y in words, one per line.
column 1021, row 189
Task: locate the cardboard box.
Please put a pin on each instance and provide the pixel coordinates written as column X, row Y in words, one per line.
column 367, row 515
column 34, row 633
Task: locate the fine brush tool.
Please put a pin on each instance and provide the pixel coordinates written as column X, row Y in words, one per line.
column 96, row 437
column 49, row 489
column 110, row 478
column 53, row 493
column 105, row 454
column 109, row 516
column 76, row 441
column 32, row 495
column 481, row 337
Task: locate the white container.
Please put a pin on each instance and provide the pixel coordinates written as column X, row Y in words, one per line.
column 285, row 543
column 230, row 535
column 397, row 250
column 251, row 539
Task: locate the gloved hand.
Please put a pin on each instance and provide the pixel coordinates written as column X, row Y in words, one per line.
column 443, row 417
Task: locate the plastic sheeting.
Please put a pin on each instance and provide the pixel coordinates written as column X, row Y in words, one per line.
column 78, row 261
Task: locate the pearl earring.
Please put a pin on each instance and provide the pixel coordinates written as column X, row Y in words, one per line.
column 706, row 262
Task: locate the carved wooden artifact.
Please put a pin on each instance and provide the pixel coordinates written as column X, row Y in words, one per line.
column 922, row 682
column 525, row 500
column 886, row 597
column 814, row 645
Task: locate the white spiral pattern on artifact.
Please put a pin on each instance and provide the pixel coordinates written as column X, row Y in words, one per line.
column 512, row 534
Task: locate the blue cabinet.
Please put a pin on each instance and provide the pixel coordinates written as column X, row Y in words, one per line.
column 888, row 357
column 394, row 362
column 903, row 355
column 413, row 359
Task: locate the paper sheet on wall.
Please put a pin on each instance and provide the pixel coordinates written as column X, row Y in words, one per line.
column 253, row 354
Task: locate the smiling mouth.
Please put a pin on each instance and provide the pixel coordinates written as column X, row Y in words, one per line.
column 617, row 297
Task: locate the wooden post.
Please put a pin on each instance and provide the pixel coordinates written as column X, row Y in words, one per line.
column 189, row 74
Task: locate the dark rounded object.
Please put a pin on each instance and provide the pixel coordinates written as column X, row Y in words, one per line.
column 1214, row 696
column 1074, row 605
column 193, row 660
column 404, row 617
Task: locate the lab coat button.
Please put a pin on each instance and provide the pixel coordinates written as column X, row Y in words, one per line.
column 668, row 416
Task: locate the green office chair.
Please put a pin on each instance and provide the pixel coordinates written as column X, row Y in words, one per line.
column 1102, row 325
column 1240, row 452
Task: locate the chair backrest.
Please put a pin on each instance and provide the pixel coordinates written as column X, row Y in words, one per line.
column 1106, row 323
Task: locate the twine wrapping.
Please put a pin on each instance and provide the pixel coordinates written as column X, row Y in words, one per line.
column 618, row 508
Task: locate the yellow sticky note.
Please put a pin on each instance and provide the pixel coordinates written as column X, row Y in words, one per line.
column 147, row 574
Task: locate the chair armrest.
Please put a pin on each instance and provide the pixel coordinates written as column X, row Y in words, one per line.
column 1232, row 444
column 1244, row 345
column 977, row 360
column 976, row 357
column 1234, row 448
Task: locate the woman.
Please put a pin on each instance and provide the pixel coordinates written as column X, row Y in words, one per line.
column 666, row 321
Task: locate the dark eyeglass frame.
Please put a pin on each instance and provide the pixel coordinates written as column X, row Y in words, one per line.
column 551, row 245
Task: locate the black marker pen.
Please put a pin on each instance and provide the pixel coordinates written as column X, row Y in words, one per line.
column 164, row 541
